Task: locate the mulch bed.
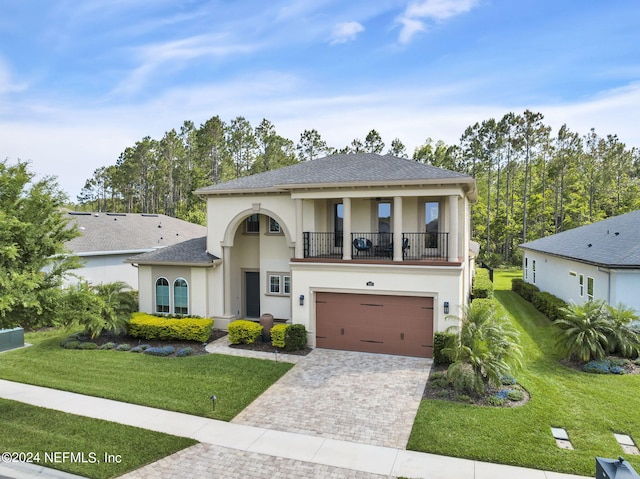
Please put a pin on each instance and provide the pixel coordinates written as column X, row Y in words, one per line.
column 267, row 347
column 448, row 393
column 630, row 368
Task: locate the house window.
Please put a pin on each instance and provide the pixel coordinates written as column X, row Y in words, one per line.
column 274, row 226
column 252, row 224
column 162, row 295
column 338, row 220
column 279, row 283
column 533, row 270
column 384, row 224
column 573, row 273
column 589, row 289
column 581, row 286
column 431, row 214
column 526, row 268
column 180, row 297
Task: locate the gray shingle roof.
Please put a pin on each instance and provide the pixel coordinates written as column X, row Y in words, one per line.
column 614, row 242
column 105, row 232
column 341, row 169
column 190, row 252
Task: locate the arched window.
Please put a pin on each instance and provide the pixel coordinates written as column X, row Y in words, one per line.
column 162, row 295
column 180, row 297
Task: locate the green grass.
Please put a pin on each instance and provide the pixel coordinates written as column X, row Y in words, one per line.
column 175, row 384
column 41, row 432
column 590, row 407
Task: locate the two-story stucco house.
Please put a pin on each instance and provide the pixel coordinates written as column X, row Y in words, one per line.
column 599, row 261
column 369, row 252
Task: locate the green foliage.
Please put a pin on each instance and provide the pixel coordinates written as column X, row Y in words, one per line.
column 278, row 334
column 439, row 383
column 183, row 352
column 549, row 305
column 150, row 327
column 594, row 329
column 495, row 401
column 33, row 260
column 515, row 395
column 73, row 344
column 243, row 331
column 295, row 337
column 482, row 285
column 438, row 375
column 442, row 340
column 486, row 351
column 88, row 345
column 107, row 346
column 123, row 347
column 526, row 290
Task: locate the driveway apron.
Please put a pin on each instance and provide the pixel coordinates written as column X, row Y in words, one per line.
column 358, row 397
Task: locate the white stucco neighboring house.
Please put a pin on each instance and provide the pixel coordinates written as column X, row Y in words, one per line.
column 369, row 252
column 108, row 239
column 596, row 261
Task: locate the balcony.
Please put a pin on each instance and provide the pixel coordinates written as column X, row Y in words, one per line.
column 377, row 246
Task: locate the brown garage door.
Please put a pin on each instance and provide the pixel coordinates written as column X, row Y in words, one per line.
column 375, row 323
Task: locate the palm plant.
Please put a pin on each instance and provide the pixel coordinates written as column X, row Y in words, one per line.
column 587, row 331
column 486, row 350
column 625, row 338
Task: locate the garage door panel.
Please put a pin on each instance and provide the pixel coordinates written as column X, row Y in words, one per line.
column 375, row 323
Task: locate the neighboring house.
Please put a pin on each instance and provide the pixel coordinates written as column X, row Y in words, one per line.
column 368, row 252
column 596, row 261
column 107, row 239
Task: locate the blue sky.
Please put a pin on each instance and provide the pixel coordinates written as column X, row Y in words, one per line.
column 82, row 80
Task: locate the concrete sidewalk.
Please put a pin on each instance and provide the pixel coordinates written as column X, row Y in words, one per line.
column 304, row 450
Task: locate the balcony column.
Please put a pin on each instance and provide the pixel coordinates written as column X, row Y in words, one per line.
column 226, row 274
column 346, row 229
column 397, row 228
column 453, row 228
column 299, row 249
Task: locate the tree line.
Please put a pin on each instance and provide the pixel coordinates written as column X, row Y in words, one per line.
column 531, row 181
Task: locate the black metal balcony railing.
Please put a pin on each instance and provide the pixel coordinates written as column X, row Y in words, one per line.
column 415, row 246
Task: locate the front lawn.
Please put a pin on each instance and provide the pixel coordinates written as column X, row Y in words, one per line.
column 590, row 407
column 49, row 438
column 175, row 384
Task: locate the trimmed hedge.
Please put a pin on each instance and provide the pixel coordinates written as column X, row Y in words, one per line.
column 244, row 331
column 295, row 337
column 277, row 335
column 482, row 285
column 549, row 305
column 525, row 290
column 441, row 340
column 149, row 327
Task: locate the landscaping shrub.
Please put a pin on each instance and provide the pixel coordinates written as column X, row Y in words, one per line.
column 597, row 367
column 72, row 344
column 482, row 285
column 160, row 351
column 140, row 348
column 442, row 340
column 182, row 352
column 495, row 401
column 150, row 327
column 123, row 347
column 549, row 305
column 277, row 335
column 88, row 345
column 515, row 395
column 439, row 383
column 438, row 375
column 295, row 337
column 507, row 380
column 242, row 331
column 108, row 345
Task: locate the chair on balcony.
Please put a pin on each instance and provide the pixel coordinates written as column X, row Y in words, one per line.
column 362, row 245
column 387, row 250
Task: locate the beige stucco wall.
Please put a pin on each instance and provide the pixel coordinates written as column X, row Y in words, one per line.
column 441, row 283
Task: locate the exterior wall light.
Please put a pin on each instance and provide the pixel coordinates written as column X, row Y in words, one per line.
column 446, row 307
column 302, row 300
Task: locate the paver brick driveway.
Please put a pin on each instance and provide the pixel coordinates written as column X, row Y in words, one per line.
column 359, row 397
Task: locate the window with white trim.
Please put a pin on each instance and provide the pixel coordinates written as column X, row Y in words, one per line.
column 252, row 224
column 279, row 284
column 162, row 295
column 180, row 297
column 526, row 268
column 589, row 289
column 533, row 270
column 274, row 226
column 581, row 281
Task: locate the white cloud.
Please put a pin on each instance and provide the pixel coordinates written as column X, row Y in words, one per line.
column 414, row 16
column 7, row 83
column 344, row 32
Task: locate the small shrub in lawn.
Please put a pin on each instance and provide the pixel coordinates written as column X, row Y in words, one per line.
column 621, row 362
column 616, row 370
column 183, row 352
column 123, row 347
column 278, row 334
column 442, row 340
column 515, row 395
column 72, row 344
column 503, row 393
column 88, row 345
column 108, row 345
column 162, row 351
column 242, row 331
column 440, row 383
column 442, row 393
column 140, row 348
column 438, row 375
column 507, row 380
column 601, row 366
column 464, row 398
column 295, row 337
column 495, row 400
column 68, row 339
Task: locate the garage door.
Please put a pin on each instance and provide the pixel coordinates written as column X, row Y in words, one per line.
column 400, row 325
